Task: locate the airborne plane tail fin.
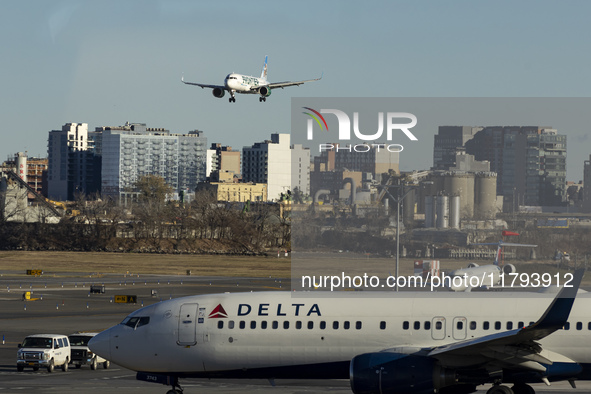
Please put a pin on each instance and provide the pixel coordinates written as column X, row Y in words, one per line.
column 264, row 71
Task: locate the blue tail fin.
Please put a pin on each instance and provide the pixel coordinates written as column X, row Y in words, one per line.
column 264, row 71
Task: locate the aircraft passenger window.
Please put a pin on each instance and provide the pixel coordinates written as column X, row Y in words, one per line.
column 298, row 325
column 579, row 326
column 460, row 325
column 358, row 325
column 264, row 325
column 405, row 325
column 346, row 325
column 531, row 322
column 275, row 324
column 253, row 324
column 485, row 325
column 497, row 325
column 220, row 324
column 567, row 326
column 310, row 325
column 382, row 325
column 509, row 325
column 427, row 325
column 322, row 325
column 417, row 325
column 438, row 325
column 285, row 325
column 520, row 324
column 472, row 325
column 242, row 324
column 335, row 325
column 589, row 326
column 231, row 324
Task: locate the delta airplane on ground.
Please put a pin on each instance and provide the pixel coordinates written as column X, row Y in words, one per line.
column 419, row 342
column 485, row 275
column 238, row 83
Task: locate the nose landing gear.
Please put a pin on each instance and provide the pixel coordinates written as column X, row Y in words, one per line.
column 261, row 99
column 176, row 387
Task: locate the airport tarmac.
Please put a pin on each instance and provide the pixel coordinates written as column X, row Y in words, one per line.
column 65, row 306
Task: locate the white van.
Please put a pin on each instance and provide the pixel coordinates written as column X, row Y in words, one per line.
column 44, row 350
column 82, row 355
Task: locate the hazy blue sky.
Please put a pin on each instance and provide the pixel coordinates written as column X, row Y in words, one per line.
column 108, row 62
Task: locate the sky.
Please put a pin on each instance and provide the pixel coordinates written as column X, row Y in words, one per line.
column 110, row 62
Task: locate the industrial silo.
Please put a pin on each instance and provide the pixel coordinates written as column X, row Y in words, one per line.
column 485, row 199
column 442, row 212
column 454, row 212
column 459, row 183
column 21, row 165
column 429, row 211
column 408, row 206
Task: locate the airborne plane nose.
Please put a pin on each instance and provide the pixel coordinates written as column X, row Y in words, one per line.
column 101, row 344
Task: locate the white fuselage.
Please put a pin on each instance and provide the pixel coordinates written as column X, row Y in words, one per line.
column 244, row 83
column 276, row 329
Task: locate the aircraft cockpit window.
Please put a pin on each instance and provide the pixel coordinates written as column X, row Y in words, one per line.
column 135, row 322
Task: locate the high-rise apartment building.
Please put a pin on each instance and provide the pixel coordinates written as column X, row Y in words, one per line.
column 530, row 161
column 132, row 151
column 447, row 141
column 73, row 166
column 222, row 159
column 270, row 162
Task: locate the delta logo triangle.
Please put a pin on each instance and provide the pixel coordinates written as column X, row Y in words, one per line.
column 218, row 312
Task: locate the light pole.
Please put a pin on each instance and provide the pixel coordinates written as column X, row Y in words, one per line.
column 398, row 201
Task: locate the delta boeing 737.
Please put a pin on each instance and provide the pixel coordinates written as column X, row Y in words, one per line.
column 398, row 343
column 245, row 84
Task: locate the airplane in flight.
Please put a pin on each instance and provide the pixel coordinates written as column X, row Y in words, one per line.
column 398, row 343
column 489, row 274
column 245, row 84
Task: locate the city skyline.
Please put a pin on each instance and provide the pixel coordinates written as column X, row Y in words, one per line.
column 112, row 62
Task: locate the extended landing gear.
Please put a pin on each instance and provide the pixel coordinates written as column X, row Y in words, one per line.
column 522, row 388
column 176, row 387
column 261, row 99
column 232, row 99
column 499, row 389
column 518, row 388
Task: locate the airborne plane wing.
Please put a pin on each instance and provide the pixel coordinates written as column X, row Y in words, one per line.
column 275, row 85
column 516, row 347
column 202, row 85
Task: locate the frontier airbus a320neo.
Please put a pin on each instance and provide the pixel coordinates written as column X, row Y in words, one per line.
column 397, row 343
column 238, row 83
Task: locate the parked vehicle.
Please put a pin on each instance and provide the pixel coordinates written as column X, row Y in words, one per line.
column 44, row 350
column 82, row 355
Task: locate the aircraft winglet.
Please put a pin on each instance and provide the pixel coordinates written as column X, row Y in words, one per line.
column 556, row 316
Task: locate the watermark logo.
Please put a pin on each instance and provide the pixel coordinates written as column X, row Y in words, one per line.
column 344, row 133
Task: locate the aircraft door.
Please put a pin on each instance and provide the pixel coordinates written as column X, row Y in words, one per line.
column 438, row 328
column 188, row 325
column 460, row 327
